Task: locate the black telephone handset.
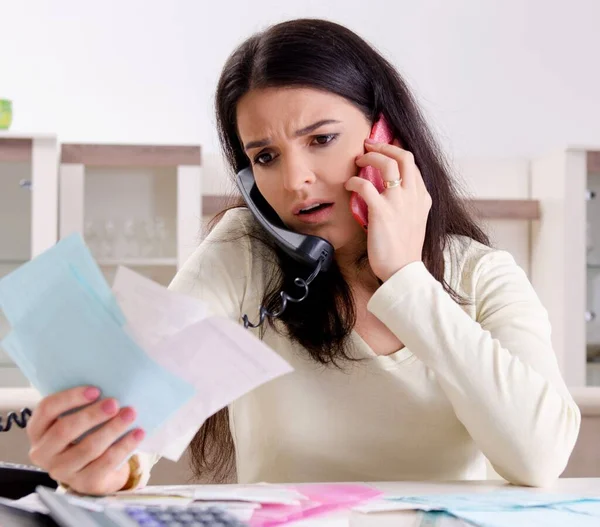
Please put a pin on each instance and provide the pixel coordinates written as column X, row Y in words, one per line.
column 309, row 250
column 313, row 251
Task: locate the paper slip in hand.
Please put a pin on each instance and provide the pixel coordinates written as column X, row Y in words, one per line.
column 22, row 289
column 152, row 311
column 69, row 339
column 142, row 344
column 217, row 356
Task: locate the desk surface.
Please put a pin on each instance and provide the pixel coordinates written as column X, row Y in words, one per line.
column 348, row 518
column 578, row 486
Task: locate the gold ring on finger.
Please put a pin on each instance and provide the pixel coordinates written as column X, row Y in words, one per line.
column 392, row 184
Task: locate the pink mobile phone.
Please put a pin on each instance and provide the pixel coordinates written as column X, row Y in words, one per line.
column 382, row 133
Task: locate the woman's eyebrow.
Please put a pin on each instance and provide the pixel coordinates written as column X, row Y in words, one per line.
column 298, row 133
column 312, row 127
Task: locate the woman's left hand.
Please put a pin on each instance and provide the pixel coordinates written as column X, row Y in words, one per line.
column 397, row 216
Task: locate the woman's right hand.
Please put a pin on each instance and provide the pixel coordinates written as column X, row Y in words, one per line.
column 89, row 466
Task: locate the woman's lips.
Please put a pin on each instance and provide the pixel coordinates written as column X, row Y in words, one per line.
column 317, row 216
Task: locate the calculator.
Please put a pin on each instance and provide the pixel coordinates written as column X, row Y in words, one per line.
column 67, row 514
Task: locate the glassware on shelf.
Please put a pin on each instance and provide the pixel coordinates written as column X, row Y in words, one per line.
column 130, row 237
column 160, row 227
column 91, row 236
column 109, row 236
column 147, row 238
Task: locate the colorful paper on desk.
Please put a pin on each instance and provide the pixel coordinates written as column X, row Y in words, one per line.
column 491, row 501
column 536, row 517
column 221, row 359
column 67, row 339
column 582, row 507
column 321, row 498
column 501, row 508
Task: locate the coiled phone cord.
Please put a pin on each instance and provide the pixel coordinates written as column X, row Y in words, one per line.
column 19, row 419
column 285, row 298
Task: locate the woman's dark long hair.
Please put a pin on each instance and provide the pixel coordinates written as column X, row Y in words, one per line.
column 323, row 55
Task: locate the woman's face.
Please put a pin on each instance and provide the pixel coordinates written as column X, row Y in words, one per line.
column 302, row 144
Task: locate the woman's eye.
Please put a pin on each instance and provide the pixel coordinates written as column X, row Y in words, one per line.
column 324, row 139
column 263, row 159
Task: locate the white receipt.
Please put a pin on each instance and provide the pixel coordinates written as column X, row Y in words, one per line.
column 220, row 358
column 263, row 493
column 152, row 311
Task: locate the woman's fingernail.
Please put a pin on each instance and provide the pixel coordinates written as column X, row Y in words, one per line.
column 91, row 393
column 127, row 415
column 370, row 141
column 109, row 407
column 138, row 434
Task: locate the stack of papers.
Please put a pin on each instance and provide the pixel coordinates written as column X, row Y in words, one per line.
column 318, row 499
column 500, row 508
column 270, row 504
column 263, row 494
column 261, row 505
column 146, row 346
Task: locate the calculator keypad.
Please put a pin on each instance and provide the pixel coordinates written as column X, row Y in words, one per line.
column 182, row 517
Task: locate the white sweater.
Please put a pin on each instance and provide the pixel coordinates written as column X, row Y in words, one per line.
column 473, row 382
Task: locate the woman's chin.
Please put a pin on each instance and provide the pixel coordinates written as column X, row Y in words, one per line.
column 350, row 235
column 353, row 242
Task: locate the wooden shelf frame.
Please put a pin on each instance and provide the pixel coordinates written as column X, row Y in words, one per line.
column 497, row 209
column 185, row 159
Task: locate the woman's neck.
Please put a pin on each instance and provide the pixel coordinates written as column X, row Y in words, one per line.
column 354, row 266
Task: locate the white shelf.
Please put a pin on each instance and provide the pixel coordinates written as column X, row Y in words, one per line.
column 138, row 262
column 562, row 270
column 9, row 134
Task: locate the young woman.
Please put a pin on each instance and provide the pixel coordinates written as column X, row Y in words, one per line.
column 421, row 352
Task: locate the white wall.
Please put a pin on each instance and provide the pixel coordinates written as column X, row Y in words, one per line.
column 498, row 78
column 503, row 79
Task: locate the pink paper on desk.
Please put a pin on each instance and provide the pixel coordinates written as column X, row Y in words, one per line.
column 321, row 498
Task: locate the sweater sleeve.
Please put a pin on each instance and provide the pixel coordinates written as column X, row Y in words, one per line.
column 499, row 370
column 216, row 273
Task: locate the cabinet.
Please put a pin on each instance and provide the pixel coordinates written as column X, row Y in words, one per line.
column 28, row 213
column 136, row 205
column 566, row 257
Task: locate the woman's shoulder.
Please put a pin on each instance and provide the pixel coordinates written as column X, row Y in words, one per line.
column 225, row 245
column 238, row 232
column 220, row 270
column 235, row 221
column 467, row 261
